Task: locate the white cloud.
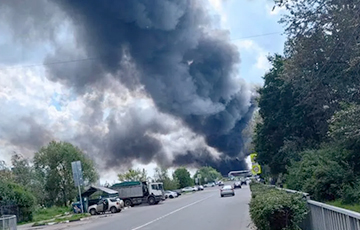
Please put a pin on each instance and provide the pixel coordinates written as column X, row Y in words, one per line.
column 217, row 8
column 258, row 52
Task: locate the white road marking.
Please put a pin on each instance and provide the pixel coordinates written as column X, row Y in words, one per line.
column 170, row 213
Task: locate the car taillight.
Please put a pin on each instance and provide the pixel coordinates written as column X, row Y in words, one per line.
column 117, row 203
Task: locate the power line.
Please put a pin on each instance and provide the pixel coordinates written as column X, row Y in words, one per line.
column 255, row 36
column 95, row 58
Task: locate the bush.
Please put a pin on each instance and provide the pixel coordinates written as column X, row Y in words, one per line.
column 14, row 194
column 321, row 173
column 272, row 209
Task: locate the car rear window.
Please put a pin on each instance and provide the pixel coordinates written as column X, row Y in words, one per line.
column 227, row 187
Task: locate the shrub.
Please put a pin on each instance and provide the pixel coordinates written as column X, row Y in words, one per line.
column 272, row 209
column 14, row 194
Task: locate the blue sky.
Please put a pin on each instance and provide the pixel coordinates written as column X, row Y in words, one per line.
column 247, row 18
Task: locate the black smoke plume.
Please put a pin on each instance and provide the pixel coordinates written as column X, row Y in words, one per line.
column 187, row 66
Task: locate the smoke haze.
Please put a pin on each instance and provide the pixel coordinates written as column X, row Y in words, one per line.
column 181, row 70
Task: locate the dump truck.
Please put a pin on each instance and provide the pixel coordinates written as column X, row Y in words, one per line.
column 137, row 192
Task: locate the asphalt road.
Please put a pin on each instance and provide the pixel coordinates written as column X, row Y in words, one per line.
column 199, row 210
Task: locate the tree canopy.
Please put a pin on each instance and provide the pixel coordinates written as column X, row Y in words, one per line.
column 53, row 162
column 207, row 174
column 133, row 175
column 183, row 176
column 310, row 100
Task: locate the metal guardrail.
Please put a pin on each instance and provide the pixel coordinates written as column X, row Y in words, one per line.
column 8, row 222
column 328, row 217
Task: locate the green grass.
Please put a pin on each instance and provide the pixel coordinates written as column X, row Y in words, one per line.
column 49, row 213
column 352, row 207
column 73, row 217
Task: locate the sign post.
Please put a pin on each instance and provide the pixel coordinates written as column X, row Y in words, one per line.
column 199, row 178
column 78, row 179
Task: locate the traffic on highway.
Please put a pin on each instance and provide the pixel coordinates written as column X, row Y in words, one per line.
column 201, row 209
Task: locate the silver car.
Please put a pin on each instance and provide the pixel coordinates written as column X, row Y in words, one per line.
column 227, row 190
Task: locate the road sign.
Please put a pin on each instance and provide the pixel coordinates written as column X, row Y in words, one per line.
column 253, row 157
column 77, row 173
column 256, row 169
column 78, row 178
column 199, row 176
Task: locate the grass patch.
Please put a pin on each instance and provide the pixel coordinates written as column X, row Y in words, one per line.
column 352, row 207
column 50, row 213
column 73, row 217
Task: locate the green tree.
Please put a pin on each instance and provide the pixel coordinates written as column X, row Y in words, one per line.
column 53, row 162
column 278, row 115
column 208, row 174
column 5, row 172
column 161, row 175
column 22, row 170
column 322, row 173
column 183, row 176
column 28, row 177
column 12, row 193
column 133, row 175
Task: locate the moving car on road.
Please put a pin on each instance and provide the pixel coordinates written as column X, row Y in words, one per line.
column 237, row 184
column 243, row 181
column 220, row 183
column 227, row 190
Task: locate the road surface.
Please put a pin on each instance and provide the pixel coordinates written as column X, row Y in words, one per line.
column 199, row 210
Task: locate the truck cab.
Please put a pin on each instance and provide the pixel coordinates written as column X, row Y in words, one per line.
column 155, row 192
column 157, row 189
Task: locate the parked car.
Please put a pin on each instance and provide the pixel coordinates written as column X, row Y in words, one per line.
column 170, row 194
column 188, row 189
column 227, row 190
column 200, row 187
column 106, row 205
column 237, row 184
column 220, row 183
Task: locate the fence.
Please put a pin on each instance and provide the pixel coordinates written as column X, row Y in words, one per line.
column 22, row 214
column 327, row 217
column 8, row 222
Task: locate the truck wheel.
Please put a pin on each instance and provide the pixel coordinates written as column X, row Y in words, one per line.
column 113, row 209
column 128, row 203
column 93, row 211
column 151, row 200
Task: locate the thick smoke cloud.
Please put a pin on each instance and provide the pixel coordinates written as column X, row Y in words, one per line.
column 170, row 48
column 186, row 67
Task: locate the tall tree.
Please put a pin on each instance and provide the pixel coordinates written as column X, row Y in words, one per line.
column 54, row 163
column 133, row 175
column 208, row 174
column 28, row 177
column 183, row 176
column 280, row 119
column 161, row 175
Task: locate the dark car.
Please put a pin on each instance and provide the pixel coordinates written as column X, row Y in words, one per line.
column 237, row 184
